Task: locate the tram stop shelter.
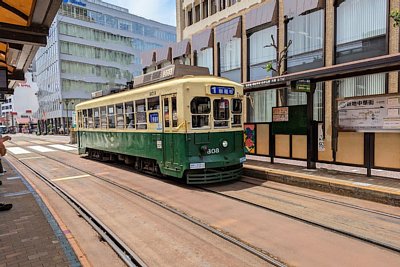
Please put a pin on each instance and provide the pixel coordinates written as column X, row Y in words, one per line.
column 24, row 26
column 279, row 142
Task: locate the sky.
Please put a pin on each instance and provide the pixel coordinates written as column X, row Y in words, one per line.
column 159, row 10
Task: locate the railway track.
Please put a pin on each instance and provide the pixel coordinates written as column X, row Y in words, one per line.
column 121, row 249
column 313, row 223
column 310, row 222
column 330, row 201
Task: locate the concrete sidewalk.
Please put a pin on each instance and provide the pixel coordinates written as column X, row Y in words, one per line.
column 29, row 234
column 378, row 189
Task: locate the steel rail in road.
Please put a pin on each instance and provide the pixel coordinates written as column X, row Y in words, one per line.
column 339, row 203
column 316, row 224
column 129, row 257
column 253, row 250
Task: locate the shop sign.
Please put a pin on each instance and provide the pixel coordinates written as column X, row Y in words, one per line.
column 280, row 114
column 75, row 2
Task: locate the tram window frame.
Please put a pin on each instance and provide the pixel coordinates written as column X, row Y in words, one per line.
column 221, row 122
column 236, row 119
column 174, row 109
column 103, row 117
column 83, row 118
column 119, row 116
column 130, row 122
column 141, row 114
column 153, row 104
column 197, row 114
column 96, row 119
column 90, row 119
column 111, row 117
column 166, row 111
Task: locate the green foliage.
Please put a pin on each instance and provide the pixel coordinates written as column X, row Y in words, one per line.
column 269, row 67
column 395, row 15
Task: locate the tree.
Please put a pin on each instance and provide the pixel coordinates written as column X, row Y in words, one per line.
column 280, row 60
column 395, row 15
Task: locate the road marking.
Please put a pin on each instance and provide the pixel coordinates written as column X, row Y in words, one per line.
column 71, row 177
column 14, row 178
column 39, row 157
column 18, row 150
column 41, row 148
column 362, row 184
column 62, row 147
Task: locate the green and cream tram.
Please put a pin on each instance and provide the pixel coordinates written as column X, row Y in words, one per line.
column 185, row 126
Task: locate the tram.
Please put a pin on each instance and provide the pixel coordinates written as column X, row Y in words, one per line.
column 177, row 121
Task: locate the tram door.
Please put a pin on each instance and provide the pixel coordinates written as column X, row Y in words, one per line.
column 170, row 121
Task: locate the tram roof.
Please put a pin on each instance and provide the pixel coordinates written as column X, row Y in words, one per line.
column 209, row 80
column 24, row 26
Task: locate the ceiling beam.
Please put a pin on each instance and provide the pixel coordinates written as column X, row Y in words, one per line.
column 33, row 35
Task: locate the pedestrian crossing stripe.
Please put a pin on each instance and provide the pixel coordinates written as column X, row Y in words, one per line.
column 41, row 148
column 18, row 150
column 62, row 147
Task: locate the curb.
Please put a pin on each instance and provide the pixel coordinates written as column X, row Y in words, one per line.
column 339, row 188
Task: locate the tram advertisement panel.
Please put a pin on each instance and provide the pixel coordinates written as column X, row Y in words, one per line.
column 370, row 114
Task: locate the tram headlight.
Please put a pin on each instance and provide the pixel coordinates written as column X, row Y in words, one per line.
column 224, row 144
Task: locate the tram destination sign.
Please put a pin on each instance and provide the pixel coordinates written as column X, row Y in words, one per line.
column 370, row 114
column 222, row 90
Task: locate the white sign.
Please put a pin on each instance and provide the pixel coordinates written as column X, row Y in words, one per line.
column 196, row 166
column 280, row 114
column 379, row 113
column 321, row 141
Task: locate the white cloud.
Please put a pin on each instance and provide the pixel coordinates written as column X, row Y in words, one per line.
column 163, row 11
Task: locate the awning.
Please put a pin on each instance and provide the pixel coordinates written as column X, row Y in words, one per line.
column 163, row 54
column 226, row 31
column 265, row 13
column 204, row 39
column 294, row 8
column 180, row 49
column 148, row 58
column 16, row 12
column 24, row 26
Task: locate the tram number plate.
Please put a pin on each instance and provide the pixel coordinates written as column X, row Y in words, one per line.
column 196, row 166
column 213, row 151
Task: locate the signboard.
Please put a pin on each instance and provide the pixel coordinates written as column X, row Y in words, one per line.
column 304, row 86
column 222, row 90
column 280, row 114
column 370, row 114
column 75, row 2
column 3, row 79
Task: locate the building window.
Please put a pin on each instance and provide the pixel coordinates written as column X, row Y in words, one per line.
column 374, row 84
column 230, row 59
column 260, row 105
column 306, row 33
column 205, row 58
column 261, row 55
column 361, row 29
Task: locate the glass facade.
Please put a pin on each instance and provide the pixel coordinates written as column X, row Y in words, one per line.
column 261, row 55
column 361, row 29
column 205, row 58
column 230, row 59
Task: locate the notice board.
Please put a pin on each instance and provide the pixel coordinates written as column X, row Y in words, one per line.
column 370, row 114
column 289, row 120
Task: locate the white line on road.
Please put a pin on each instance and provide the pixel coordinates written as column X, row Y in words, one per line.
column 41, row 148
column 71, row 177
column 18, row 150
column 62, row 147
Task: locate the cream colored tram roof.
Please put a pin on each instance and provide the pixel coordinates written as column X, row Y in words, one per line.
column 210, row 80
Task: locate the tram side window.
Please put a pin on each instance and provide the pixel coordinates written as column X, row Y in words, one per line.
column 83, row 115
column 166, row 112
column 200, row 108
column 119, row 109
column 111, row 116
column 221, row 112
column 129, row 116
column 90, row 118
column 141, row 120
column 153, row 104
column 96, row 115
column 174, row 113
column 236, row 113
column 103, row 117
